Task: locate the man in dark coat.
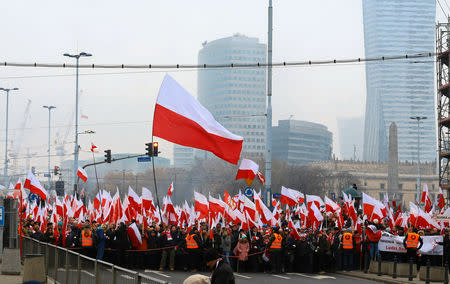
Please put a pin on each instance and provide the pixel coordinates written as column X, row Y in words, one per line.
column 222, row 273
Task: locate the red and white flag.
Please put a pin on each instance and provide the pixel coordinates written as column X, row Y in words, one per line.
column 93, row 147
column 330, row 205
column 264, row 212
column 247, row 170
column 441, row 199
column 133, row 198
column 170, row 190
column 288, row 196
column 33, row 184
column 81, row 173
column 147, row 200
column 201, row 205
column 426, row 198
column 134, row 234
column 216, row 206
column 181, row 119
column 261, row 178
column 314, row 199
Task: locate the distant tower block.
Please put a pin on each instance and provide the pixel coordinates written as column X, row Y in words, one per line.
column 393, row 161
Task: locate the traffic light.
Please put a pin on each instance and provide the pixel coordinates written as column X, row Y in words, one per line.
column 149, row 149
column 155, row 149
column 57, row 171
column 108, row 156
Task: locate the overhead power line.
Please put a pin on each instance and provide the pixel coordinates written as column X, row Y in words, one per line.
column 148, row 71
column 225, row 65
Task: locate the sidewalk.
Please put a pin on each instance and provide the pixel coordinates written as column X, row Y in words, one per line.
column 11, row 279
column 383, row 278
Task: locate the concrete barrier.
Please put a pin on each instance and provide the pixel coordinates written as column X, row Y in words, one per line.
column 437, row 273
column 403, row 270
column 11, row 262
column 34, row 268
column 373, row 267
column 385, row 266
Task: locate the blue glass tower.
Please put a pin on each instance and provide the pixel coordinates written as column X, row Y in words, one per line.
column 398, row 90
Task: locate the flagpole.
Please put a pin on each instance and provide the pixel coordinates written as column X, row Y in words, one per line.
column 95, row 169
column 154, row 173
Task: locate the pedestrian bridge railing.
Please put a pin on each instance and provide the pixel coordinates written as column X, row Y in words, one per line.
column 68, row 267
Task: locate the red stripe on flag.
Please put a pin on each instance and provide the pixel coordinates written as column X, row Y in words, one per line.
column 178, row 129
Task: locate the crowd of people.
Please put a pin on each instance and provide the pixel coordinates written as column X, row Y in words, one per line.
column 265, row 249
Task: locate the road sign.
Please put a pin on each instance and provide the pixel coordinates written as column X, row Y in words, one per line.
column 144, row 159
column 276, row 195
column 2, row 216
column 47, row 175
column 333, row 196
column 248, row 191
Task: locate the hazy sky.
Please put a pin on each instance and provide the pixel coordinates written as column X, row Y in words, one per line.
column 120, row 106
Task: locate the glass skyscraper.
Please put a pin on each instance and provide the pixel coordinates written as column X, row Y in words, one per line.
column 301, row 142
column 236, row 97
column 399, row 89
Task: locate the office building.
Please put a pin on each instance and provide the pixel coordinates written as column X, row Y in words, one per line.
column 400, row 89
column 301, row 142
column 236, row 96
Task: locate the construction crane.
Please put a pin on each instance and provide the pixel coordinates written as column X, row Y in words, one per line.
column 16, row 142
column 61, row 136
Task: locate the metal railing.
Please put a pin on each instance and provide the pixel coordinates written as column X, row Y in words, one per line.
column 65, row 266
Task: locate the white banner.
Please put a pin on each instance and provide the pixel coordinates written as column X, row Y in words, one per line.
column 391, row 243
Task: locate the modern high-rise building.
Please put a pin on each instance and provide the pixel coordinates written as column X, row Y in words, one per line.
column 236, row 96
column 301, row 142
column 401, row 89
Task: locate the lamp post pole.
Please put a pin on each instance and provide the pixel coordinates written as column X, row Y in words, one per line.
column 76, row 152
column 7, row 90
column 49, row 119
column 268, row 187
column 418, row 186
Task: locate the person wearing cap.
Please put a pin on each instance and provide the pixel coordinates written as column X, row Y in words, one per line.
column 193, row 248
column 348, row 244
column 222, row 273
column 336, row 250
column 275, row 245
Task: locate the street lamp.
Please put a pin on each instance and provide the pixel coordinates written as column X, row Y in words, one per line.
column 75, row 160
column 7, row 90
column 418, row 118
column 49, row 115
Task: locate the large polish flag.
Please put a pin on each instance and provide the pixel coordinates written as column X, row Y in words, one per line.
column 33, row 184
column 247, row 170
column 181, row 119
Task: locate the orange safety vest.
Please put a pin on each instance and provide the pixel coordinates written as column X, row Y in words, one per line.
column 86, row 240
column 276, row 244
column 190, row 242
column 347, row 241
column 412, row 240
